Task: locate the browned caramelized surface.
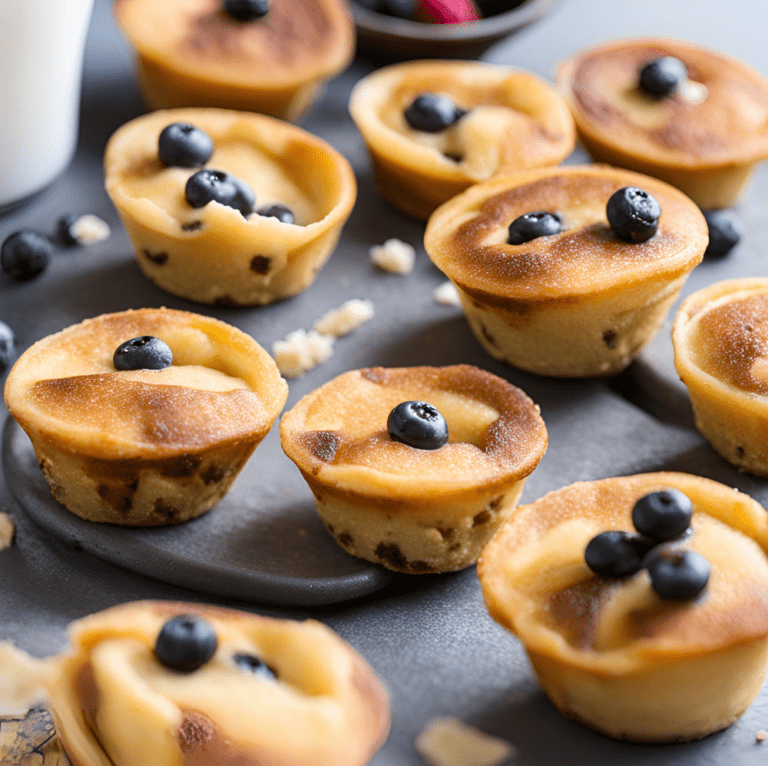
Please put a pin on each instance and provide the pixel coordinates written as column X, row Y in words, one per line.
column 222, row 387
column 467, row 237
column 340, row 430
column 296, row 40
column 536, row 582
column 730, row 122
column 730, row 342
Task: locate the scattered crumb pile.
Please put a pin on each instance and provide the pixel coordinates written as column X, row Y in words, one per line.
column 302, row 350
column 761, row 735
column 394, row 256
column 450, row 742
column 446, row 294
column 7, row 530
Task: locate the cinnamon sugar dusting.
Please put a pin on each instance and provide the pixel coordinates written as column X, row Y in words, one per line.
column 732, row 342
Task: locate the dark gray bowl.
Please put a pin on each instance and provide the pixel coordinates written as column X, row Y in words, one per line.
column 396, row 38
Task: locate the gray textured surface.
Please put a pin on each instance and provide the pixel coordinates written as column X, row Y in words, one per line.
column 429, row 637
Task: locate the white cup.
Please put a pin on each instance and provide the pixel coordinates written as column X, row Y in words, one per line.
column 41, row 64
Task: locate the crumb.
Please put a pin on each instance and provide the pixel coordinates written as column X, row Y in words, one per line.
column 86, row 229
column 447, row 295
column 761, row 735
column 394, row 256
column 7, row 530
column 347, row 317
column 450, row 742
column 301, row 351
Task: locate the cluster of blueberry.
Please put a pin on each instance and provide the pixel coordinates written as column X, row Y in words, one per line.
column 185, row 643
column 183, row 145
column 659, row 517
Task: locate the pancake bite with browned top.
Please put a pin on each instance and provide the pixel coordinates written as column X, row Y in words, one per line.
column 155, row 683
column 433, row 128
column 720, row 337
column 640, row 600
column 228, row 207
column 567, row 271
column 415, row 468
column 144, row 417
column 269, row 56
column 674, row 110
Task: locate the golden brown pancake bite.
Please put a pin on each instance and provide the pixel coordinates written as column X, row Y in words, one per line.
column 433, row 128
column 720, row 336
column 144, row 417
column 415, row 468
column 641, row 602
column 228, row 207
column 271, row 56
column 688, row 115
column 567, row 271
column 173, row 684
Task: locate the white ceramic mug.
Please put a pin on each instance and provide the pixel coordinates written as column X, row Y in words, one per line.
column 41, row 62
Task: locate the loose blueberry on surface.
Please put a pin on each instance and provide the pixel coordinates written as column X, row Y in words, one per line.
column 417, row 424
column 246, row 10
column 186, row 643
column 677, row 574
column 533, row 225
column 210, row 185
column 25, row 254
column 183, row 145
column 6, row 345
column 64, row 230
column 432, row 112
column 144, row 353
column 725, row 231
column 633, row 214
column 661, row 77
column 253, row 664
column 616, row 553
column 662, row 515
column 281, row 212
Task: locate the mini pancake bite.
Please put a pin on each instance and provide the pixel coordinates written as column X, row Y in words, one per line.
column 640, row 600
column 415, row 468
column 567, row 271
column 227, row 207
column 160, row 683
column 720, row 337
column 690, row 116
column 433, row 128
column 144, row 417
column 269, row 56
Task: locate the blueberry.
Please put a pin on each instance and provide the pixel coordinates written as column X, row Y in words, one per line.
column 725, row 231
column 677, row 574
column 144, row 353
column 616, row 553
column 210, row 185
column 661, row 77
column 281, row 212
column 662, row 515
column 432, row 112
column 532, row 225
column 246, row 10
column 6, row 345
column 25, row 254
column 253, row 664
column 183, row 145
column 185, row 643
column 633, row 214
column 64, row 230
column 417, row 424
